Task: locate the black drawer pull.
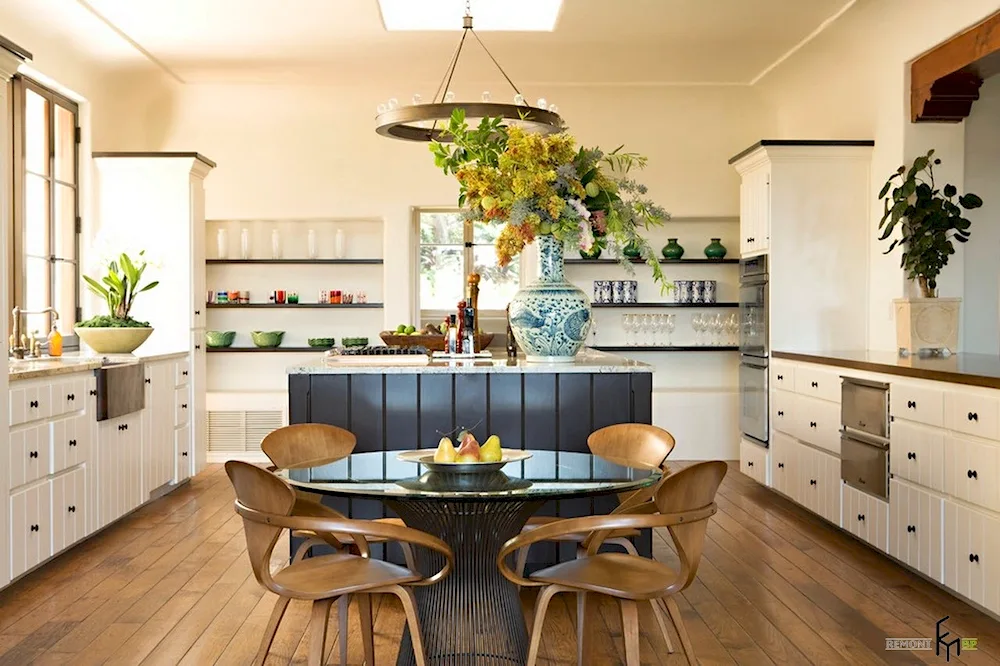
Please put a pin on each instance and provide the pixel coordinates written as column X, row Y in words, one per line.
column 749, row 463
column 185, row 373
column 911, row 404
column 72, row 442
column 781, row 378
column 33, row 403
column 974, row 558
column 973, row 416
column 93, row 392
column 125, row 426
column 184, row 406
column 33, row 454
column 71, row 396
column 812, row 482
column 781, row 465
column 861, row 516
column 197, row 312
column 184, row 453
column 34, row 528
column 815, row 385
column 781, row 412
column 973, row 474
column 148, row 381
column 911, row 528
column 910, row 455
column 71, row 508
column 812, row 424
column 120, row 427
column 197, row 347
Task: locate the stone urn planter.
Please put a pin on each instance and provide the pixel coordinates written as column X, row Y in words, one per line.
column 927, row 324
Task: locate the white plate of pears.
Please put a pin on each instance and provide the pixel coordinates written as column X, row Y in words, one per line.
column 468, row 458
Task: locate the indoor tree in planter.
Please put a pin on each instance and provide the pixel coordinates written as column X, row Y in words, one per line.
column 928, row 218
column 117, row 332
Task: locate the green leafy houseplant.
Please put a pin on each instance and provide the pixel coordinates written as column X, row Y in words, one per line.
column 119, row 288
column 928, row 218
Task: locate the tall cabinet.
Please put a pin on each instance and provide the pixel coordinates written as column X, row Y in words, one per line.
column 156, row 202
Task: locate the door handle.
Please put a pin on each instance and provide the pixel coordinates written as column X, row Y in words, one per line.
column 197, row 312
column 184, row 406
column 184, row 453
column 749, row 463
column 71, row 508
column 781, row 378
column 33, row 403
column 72, row 442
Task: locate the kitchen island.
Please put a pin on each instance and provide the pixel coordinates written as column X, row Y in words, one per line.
column 546, row 408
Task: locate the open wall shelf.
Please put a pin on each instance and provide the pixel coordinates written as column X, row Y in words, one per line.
column 301, row 262
column 693, row 260
column 272, row 350
column 667, row 348
column 726, row 304
column 293, row 306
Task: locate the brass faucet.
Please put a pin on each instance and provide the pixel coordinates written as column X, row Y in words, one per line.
column 17, row 348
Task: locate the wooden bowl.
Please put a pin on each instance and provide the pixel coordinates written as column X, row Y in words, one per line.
column 431, row 342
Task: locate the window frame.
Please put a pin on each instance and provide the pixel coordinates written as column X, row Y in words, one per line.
column 489, row 319
column 19, row 85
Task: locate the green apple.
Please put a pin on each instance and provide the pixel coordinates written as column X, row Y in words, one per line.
column 410, row 330
column 401, row 328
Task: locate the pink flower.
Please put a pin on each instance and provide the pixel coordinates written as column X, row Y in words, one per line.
column 599, row 220
column 586, row 236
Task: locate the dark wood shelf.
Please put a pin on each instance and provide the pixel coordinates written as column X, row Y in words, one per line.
column 693, row 260
column 293, row 306
column 274, row 350
column 323, row 262
column 725, row 304
column 670, row 348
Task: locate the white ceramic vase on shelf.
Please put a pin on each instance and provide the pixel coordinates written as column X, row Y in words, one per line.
column 313, row 248
column 245, row 244
column 222, row 243
column 275, row 244
column 339, row 243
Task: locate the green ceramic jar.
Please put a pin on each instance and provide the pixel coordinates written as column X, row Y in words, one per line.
column 595, row 252
column 631, row 251
column 715, row 249
column 672, row 250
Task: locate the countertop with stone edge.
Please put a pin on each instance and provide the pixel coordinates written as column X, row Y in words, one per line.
column 82, row 361
column 588, row 361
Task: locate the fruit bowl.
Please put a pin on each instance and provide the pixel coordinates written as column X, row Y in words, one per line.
column 425, row 457
column 433, row 342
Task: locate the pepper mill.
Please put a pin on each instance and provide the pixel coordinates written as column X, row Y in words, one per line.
column 473, row 299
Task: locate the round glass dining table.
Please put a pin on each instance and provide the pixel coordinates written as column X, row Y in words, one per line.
column 474, row 615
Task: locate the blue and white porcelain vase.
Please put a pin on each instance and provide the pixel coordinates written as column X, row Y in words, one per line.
column 550, row 317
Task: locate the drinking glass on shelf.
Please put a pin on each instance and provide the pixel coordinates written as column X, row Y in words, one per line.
column 696, row 323
column 625, row 325
column 642, row 325
column 651, row 324
column 733, row 326
column 719, row 325
column 670, row 328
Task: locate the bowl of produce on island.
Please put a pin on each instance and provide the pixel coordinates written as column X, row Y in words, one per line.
column 322, row 343
column 267, row 339
column 430, row 337
column 467, row 458
column 219, row 338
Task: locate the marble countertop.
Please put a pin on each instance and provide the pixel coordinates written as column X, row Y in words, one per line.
column 83, row 361
column 969, row 369
column 588, row 361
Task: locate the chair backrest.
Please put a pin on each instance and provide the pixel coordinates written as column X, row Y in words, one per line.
column 262, row 491
column 640, row 444
column 690, row 489
column 307, row 445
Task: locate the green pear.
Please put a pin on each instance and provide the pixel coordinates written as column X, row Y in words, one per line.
column 491, row 451
column 445, row 452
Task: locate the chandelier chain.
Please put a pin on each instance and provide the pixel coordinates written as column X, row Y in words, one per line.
column 495, row 61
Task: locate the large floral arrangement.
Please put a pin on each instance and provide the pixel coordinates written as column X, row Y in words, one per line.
column 538, row 185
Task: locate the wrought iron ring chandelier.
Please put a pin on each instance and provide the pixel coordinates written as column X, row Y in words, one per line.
column 426, row 122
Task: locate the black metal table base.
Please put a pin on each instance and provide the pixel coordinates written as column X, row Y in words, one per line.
column 474, row 615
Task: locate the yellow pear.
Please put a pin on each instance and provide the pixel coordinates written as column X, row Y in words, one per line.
column 491, row 451
column 445, row 452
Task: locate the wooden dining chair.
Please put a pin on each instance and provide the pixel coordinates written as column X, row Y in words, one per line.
column 628, row 444
column 684, row 502
column 266, row 502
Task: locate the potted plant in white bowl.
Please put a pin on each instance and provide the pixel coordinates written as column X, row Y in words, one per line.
column 117, row 332
column 929, row 220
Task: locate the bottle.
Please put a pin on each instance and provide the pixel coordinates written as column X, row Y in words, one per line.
column 473, row 297
column 452, row 347
column 461, row 328
column 511, row 342
column 55, row 340
column 469, row 330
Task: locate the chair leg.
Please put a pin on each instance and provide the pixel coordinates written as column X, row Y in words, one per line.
column 582, row 636
column 317, row 630
column 272, row 628
column 343, row 609
column 630, row 628
column 662, row 621
column 541, row 606
column 682, row 634
column 409, row 602
column 367, row 633
column 411, row 564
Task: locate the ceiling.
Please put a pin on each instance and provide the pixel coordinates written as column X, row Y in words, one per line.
column 647, row 42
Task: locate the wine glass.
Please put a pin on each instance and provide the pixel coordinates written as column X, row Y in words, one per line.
column 718, row 325
column 646, row 323
column 625, row 327
column 696, row 324
column 734, row 326
column 669, row 327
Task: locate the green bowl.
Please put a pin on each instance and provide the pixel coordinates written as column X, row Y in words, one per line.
column 324, row 343
column 219, row 338
column 266, row 339
column 355, row 342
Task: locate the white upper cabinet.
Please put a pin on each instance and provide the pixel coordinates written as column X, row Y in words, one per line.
column 755, row 211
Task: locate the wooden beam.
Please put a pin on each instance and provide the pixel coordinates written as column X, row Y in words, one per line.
column 944, row 82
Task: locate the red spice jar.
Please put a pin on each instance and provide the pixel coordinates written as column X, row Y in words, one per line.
column 335, row 296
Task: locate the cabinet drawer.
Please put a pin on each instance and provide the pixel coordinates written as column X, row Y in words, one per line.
column 182, row 406
column 29, row 454
column 918, row 454
column 182, row 371
column 782, row 375
column 915, row 528
column 971, row 413
column 818, row 423
column 866, row 517
column 817, row 382
column 972, row 554
column 30, row 527
column 916, row 402
column 69, row 395
column 819, row 483
column 783, row 412
column 753, row 461
column 29, row 402
column 972, row 471
column 71, row 441
column 782, row 463
column 69, row 509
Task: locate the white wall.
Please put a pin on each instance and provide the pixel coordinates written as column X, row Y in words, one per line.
column 981, row 307
column 852, row 82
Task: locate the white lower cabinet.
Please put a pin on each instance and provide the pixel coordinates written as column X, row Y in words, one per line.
column 71, row 441
column 972, row 470
column 158, row 426
column 29, row 454
column 784, row 464
column 119, row 474
column 818, row 475
column 866, row 517
column 30, row 527
column 69, row 508
column 915, row 528
column 182, row 439
column 972, row 554
column 753, row 461
column 918, row 454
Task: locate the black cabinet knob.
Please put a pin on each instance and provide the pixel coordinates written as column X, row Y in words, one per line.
column 861, row 517
column 973, row 557
column 911, row 528
column 972, row 474
column 749, row 463
column 33, row 403
column 125, row 426
column 33, row 454
column 34, row 528
column 197, row 347
column 148, row 380
column 911, row 404
column 93, row 392
column 781, row 378
column 781, row 412
column 910, row 455
column 72, row 442
column 71, row 396
column 812, row 482
column 815, row 385
column 184, row 406
column 973, row 416
column 185, row 373
column 184, row 453
column 781, row 465
column 71, row 509
column 812, row 424
column 197, row 312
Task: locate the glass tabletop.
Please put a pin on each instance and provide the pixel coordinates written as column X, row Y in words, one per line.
column 544, row 475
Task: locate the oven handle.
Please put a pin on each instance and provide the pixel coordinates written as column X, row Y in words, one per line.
column 852, row 435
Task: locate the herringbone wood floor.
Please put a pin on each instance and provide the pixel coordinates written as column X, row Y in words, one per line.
column 171, row 584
